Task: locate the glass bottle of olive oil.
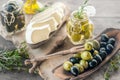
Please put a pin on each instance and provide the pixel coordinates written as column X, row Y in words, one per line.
column 79, row 28
column 31, row 6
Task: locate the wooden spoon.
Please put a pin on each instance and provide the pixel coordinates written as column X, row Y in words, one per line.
column 111, row 32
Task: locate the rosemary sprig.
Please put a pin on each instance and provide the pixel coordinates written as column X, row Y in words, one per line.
column 113, row 66
column 80, row 10
column 13, row 60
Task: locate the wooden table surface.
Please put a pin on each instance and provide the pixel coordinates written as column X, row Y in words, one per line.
column 107, row 16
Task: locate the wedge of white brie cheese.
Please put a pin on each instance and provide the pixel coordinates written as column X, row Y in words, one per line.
column 38, row 34
column 42, row 24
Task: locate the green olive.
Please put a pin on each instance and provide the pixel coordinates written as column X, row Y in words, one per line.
column 88, row 46
column 86, row 55
column 96, row 44
column 67, row 65
column 84, row 63
column 78, row 55
column 85, row 27
column 81, row 68
column 95, row 52
column 87, row 34
column 76, row 37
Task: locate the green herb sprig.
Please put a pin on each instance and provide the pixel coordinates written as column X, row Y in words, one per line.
column 80, row 11
column 13, row 60
column 113, row 66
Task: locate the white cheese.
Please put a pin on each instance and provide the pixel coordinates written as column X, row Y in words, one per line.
column 43, row 23
column 51, row 21
column 42, row 16
column 38, row 34
column 56, row 9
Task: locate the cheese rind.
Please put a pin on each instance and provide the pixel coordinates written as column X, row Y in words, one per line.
column 36, row 35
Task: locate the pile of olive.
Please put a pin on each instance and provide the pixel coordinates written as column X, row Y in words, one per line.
column 95, row 52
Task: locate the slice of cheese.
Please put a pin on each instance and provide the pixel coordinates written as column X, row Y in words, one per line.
column 55, row 7
column 51, row 21
column 43, row 23
column 56, row 10
column 42, row 16
column 38, row 34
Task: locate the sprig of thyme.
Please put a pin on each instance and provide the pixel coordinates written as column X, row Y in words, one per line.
column 13, row 60
column 113, row 66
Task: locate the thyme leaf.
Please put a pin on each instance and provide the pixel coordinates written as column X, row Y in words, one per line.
column 13, row 60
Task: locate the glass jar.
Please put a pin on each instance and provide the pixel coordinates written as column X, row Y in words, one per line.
column 79, row 29
column 12, row 17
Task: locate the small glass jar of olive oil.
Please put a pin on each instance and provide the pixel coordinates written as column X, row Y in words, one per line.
column 79, row 29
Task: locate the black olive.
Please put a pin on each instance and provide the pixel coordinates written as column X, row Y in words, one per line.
column 93, row 63
column 109, row 48
column 9, row 8
column 74, row 70
column 103, row 54
column 102, row 49
column 103, row 44
column 111, row 41
column 74, row 60
column 92, row 51
column 98, row 58
column 104, row 38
